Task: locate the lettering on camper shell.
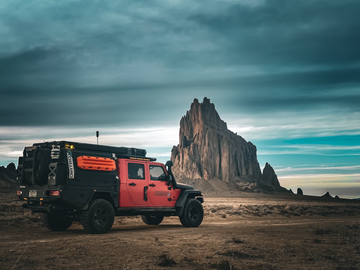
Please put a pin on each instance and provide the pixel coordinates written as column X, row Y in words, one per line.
column 71, row 165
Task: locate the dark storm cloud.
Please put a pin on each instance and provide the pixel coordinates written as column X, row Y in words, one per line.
column 299, row 81
column 52, row 101
column 104, row 62
column 192, row 34
column 287, row 32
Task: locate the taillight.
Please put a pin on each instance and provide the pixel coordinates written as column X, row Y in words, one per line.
column 19, row 192
column 54, row 193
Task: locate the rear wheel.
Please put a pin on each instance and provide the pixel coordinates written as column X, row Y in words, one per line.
column 193, row 213
column 152, row 220
column 55, row 222
column 99, row 217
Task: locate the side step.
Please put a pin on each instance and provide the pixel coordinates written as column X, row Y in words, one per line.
column 123, row 211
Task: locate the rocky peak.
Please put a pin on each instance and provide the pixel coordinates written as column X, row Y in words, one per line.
column 11, row 166
column 207, row 149
column 327, row 195
column 269, row 177
column 200, row 116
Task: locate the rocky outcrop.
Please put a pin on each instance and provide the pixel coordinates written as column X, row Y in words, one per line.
column 7, row 179
column 269, row 177
column 299, row 191
column 208, row 150
column 11, row 167
column 326, row 195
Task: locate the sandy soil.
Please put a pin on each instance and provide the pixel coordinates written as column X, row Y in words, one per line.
column 247, row 231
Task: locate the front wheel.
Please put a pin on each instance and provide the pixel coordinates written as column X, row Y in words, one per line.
column 193, row 213
column 55, row 222
column 152, row 220
column 99, row 217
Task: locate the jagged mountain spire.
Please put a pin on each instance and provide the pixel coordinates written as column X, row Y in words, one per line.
column 207, row 149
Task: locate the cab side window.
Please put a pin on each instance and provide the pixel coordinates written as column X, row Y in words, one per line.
column 136, row 171
column 156, row 172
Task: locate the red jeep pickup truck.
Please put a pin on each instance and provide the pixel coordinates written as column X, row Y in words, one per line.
column 67, row 181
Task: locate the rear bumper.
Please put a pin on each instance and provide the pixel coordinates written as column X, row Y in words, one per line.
column 47, row 208
column 40, row 197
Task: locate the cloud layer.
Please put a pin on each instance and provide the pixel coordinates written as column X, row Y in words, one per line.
column 277, row 71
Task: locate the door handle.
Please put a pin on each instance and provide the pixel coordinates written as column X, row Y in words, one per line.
column 145, row 193
column 152, row 185
column 132, row 184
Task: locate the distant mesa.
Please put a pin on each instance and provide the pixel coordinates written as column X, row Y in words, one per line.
column 327, row 195
column 299, row 191
column 337, row 197
column 208, row 150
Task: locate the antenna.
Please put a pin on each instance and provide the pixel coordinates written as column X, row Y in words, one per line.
column 97, row 137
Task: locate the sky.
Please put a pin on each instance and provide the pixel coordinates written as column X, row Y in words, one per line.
column 284, row 75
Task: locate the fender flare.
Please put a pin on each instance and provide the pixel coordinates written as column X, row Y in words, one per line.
column 101, row 195
column 184, row 195
column 111, row 195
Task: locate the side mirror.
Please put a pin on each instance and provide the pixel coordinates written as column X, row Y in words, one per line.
column 169, row 163
column 167, row 177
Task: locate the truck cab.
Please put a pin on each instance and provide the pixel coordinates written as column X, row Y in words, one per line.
column 68, row 181
column 144, row 183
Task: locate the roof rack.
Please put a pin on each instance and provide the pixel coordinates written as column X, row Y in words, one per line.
column 120, row 152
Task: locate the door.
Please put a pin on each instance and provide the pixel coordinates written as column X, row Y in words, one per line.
column 136, row 183
column 159, row 192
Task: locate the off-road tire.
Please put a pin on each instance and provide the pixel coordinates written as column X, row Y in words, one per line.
column 42, row 170
column 99, row 217
column 152, row 220
column 193, row 213
column 56, row 222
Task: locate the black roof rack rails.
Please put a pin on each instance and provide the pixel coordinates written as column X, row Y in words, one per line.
column 124, row 152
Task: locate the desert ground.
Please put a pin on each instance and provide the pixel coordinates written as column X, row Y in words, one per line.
column 240, row 231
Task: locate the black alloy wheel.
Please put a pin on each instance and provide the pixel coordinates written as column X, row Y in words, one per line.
column 101, row 217
column 194, row 213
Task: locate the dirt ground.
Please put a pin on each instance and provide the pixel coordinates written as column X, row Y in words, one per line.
column 247, row 231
